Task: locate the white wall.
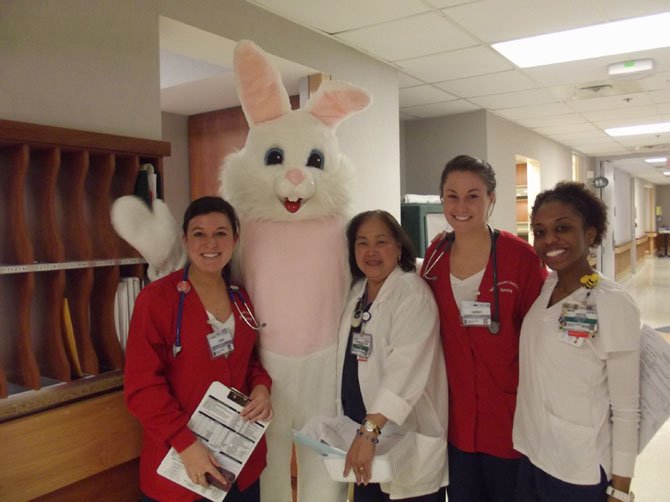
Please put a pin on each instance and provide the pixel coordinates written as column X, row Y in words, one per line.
column 81, row 64
column 430, row 143
column 640, row 212
column 94, row 66
column 621, row 223
column 506, row 140
column 176, row 185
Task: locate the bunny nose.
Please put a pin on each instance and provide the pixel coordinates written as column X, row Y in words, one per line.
column 295, row 176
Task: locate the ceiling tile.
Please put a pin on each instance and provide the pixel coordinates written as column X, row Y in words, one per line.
column 621, row 114
column 660, row 96
column 660, row 80
column 418, row 35
column 405, row 80
column 406, row 116
column 610, row 102
column 456, row 64
column 623, row 9
column 628, row 121
column 514, row 99
column 596, row 136
column 568, row 118
column 644, row 139
column 345, row 15
column 600, row 149
column 448, row 3
column 482, row 85
column 566, row 128
column 438, row 109
column 534, row 111
column 525, row 17
column 421, row 95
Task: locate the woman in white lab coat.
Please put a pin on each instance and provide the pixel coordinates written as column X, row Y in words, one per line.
column 577, row 411
column 392, row 378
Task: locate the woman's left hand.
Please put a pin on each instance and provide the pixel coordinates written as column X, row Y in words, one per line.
column 260, row 405
column 359, row 459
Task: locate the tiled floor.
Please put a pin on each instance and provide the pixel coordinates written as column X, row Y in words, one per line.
column 650, row 287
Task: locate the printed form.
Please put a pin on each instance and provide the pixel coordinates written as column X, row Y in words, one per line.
column 231, row 439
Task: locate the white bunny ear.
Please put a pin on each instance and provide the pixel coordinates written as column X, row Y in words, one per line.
column 259, row 84
column 335, row 101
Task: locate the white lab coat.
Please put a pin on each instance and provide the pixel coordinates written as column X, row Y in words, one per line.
column 404, row 378
column 578, row 407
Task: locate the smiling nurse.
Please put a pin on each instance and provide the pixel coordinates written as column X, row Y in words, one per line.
column 484, row 281
column 577, row 413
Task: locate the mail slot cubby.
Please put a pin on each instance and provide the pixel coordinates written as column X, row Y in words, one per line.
column 61, row 260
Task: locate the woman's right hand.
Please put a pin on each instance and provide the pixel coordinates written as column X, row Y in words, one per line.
column 359, row 458
column 199, row 463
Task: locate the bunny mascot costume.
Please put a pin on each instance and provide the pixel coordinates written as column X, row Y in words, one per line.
column 290, row 185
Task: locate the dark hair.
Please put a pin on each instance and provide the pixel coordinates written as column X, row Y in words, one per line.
column 407, row 252
column 207, row 205
column 572, row 193
column 473, row 165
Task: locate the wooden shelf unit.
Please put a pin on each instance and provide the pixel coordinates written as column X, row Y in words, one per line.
column 56, row 241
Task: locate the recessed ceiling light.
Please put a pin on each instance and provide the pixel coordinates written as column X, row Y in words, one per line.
column 607, row 39
column 639, row 129
column 666, row 173
column 656, row 159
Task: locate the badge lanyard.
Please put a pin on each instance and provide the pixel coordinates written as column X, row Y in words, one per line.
column 361, row 342
column 443, row 246
column 236, row 298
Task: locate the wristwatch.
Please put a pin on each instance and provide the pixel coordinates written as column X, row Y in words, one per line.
column 619, row 495
column 370, row 426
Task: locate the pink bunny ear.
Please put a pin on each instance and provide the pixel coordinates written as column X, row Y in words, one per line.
column 335, row 101
column 259, row 84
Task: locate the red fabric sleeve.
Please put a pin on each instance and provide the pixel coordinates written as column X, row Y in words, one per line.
column 147, row 392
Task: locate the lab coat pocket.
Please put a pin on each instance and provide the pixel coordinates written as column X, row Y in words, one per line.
column 571, row 448
column 427, row 465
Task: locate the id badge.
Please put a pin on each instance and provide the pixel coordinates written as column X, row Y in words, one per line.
column 475, row 313
column 361, row 346
column 579, row 318
column 572, row 338
column 220, row 342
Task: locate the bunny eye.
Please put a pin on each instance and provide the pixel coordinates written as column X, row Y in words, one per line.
column 315, row 159
column 274, row 156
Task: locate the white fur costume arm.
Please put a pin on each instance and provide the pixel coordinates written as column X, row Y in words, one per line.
column 153, row 232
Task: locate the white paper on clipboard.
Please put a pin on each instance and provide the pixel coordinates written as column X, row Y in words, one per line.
column 654, row 384
column 217, row 423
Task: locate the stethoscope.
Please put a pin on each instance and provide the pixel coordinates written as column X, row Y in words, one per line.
column 236, row 298
column 443, row 246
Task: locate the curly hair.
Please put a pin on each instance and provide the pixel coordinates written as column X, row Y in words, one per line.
column 407, row 252
column 572, row 193
column 473, row 165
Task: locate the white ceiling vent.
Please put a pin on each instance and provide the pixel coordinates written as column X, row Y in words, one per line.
column 605, row 89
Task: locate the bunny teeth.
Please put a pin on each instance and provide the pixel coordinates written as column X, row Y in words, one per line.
column 292, row 205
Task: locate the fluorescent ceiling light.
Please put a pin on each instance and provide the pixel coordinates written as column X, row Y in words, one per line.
column 639, row 129
column 656, row 159
column 607, row 39
column 666, row 173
